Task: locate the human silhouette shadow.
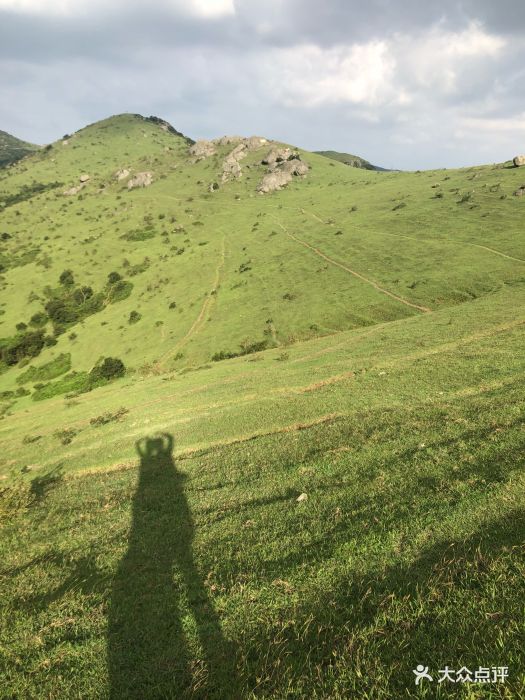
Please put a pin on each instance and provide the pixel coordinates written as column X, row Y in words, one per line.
column 164, row 637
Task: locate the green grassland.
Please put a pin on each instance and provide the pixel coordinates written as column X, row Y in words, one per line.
column 356, row 337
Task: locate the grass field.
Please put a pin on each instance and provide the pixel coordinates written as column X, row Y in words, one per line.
column 311, row 518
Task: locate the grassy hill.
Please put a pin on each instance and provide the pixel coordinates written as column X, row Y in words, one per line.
column 13, row 149
column 337, row 370
column 349, row 159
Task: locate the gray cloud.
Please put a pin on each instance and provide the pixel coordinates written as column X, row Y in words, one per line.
column 432, row 85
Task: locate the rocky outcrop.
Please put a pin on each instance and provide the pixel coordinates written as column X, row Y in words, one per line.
column 202, row 149
column 519, row 161
column 279, row 155
column 231, row 168
column 73, row 190
column 140, row 180
column 283, row 165
column 122, row 174
column 227, row 140
column 520, row 192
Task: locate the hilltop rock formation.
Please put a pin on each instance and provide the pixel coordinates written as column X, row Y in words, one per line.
column 141, row 180
column 202, row 149
column 518, row 161
column 283, row 165
column 231, row 168
column 279, row 155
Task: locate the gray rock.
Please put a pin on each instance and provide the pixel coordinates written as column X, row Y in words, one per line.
column 122, row 174
column 518, row 161
column 73, row 190
column 202, row 149
column 227, row 140
column 231, row 169
column 281, row 173
column 279, row 155
column 140, row 180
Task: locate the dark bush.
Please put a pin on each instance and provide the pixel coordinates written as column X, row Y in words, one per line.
column 39, row 319
column 114, row 277
column 66, row 278
column 106, row 369
column 23, row 345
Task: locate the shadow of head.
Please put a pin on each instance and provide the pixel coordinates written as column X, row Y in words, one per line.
column 155, row 448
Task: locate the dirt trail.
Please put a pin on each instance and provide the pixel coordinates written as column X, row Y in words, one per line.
column 352, row 272
column 203, row 314
column 418, row 239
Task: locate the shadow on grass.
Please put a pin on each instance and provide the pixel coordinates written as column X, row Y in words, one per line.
column 457, row 603
column 164, row 637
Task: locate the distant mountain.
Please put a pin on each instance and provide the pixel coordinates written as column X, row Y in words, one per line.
column 349, row 159
column 13, row 149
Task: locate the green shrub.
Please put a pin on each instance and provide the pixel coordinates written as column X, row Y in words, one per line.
column 66, row 278
column 39, row 319
column 108, row 417
column 75, row 382
column 114, row 277
column 106, row 369
column 134, row 317
column 60, row 365
column 139, row 235
column 22, row 345
column 119, row 291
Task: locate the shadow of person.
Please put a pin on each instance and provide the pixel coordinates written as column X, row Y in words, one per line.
column 164, row 637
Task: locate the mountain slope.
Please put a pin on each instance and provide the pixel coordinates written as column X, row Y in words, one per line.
column 313, row 447
column 13, row 149
column 216, row 272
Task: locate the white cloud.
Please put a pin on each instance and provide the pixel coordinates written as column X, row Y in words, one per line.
column 497, row 125
column 206, row 9
column 212, row 8
column 309, row 75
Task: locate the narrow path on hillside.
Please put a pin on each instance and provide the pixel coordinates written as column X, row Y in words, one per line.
column 427, row 240
column 352, row 272
column 203, row 314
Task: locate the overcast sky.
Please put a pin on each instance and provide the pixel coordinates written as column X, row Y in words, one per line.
column 403, row 83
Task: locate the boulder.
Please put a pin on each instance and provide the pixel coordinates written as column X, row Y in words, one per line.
column 122, row 174
column 255, row 142
column 518, row 161
column 73, row 190
column 84, row 178
column 279, row 155
column 231, row 168
column 281, row 173
column 520, row 192
column 202, row 149
column 140, row 180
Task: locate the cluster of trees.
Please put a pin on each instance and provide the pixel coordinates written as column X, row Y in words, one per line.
column 67, row 305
